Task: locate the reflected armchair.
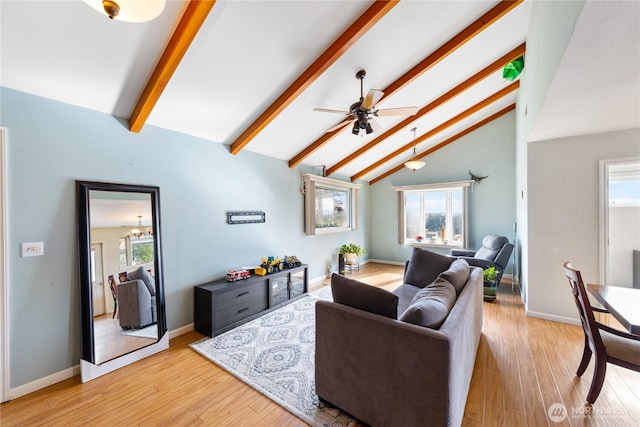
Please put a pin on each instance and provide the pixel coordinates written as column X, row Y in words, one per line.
column 495, row 252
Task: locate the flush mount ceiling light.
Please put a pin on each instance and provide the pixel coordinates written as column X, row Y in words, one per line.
column 412, row 164
column 129, row 10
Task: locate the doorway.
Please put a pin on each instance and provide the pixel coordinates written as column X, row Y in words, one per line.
column 620, row 222
column 97, row 280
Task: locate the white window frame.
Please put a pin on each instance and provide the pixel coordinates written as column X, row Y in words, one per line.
column 421, row 188
column 309, row 185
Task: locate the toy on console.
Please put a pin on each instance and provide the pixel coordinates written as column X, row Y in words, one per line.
column 234, row 275
column 291, row 261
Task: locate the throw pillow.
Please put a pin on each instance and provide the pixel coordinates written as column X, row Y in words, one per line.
column 143, row 275
column 457, row 274
column 424, row 267
column 363, row 297
column 431, row 305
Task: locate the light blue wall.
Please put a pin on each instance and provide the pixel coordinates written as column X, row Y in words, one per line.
column 489, row 150
column 51, row 144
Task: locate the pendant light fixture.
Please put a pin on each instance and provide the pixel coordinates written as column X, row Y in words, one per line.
column 414, row 164
column 129, row 10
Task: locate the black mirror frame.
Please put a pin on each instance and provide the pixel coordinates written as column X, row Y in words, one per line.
column 84, row 257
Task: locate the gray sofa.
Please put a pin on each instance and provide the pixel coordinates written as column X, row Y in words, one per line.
column 137, row 301
column 389, row 372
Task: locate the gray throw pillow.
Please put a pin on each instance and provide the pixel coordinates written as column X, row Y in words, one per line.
column 424, row 267
column 364, row 297
column 457, row 274
column 431, row 305
column 143, row 275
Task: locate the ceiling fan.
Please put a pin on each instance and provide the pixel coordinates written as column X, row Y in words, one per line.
column 360, row 113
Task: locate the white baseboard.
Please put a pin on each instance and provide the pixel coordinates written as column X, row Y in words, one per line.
column 41, row 383
column 383, row 261
column 44, row 382
column 554, row 318
column 181, row 331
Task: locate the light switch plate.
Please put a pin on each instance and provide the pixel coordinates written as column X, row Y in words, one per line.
column 32, row 249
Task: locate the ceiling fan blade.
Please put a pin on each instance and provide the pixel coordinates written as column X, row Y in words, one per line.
column 400, row 111
column 341, row 125
column 329, row 110
column 375, row 126
column 372, row 98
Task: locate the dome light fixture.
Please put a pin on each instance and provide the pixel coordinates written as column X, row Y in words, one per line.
column 129, row 10
column 413, row 163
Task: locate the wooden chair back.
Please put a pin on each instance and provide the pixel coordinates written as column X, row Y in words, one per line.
column 585, row 310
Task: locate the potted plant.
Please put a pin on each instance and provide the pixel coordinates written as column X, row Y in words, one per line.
column 490, row 283
column 351, row 251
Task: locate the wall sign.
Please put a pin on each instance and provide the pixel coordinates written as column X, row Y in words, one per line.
column 245, row 217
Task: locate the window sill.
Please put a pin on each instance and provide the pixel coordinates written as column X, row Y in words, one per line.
column 435, row 245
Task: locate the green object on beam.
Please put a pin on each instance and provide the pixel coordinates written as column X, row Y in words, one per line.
column 513, row 69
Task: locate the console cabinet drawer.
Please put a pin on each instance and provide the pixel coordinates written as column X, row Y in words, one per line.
column 238, row 304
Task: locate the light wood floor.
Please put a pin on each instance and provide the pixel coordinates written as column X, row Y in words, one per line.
column 524, row 365
column 109, row 342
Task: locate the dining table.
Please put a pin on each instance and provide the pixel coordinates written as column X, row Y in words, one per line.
column 622, row 303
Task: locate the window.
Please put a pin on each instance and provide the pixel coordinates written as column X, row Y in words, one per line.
column 330, row 205
column 433, row 214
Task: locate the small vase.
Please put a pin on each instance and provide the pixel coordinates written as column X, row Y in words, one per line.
column 350, row 258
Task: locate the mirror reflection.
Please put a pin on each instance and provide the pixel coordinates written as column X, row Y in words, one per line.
column 123, row 288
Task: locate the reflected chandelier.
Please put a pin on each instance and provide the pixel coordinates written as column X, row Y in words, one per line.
column 140, row 233
column 413, row 163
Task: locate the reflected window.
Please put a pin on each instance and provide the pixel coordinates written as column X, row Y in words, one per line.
column 141, row 251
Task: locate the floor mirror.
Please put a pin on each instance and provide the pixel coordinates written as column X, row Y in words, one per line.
column 121, row 282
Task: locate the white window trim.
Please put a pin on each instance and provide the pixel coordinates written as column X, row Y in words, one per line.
column 400, row 190
column 309, row 190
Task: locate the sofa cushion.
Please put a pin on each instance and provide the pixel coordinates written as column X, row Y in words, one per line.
column 424, row 267
column 431, row 305
column 143, row 275
column 457, row 274
column 363, row 297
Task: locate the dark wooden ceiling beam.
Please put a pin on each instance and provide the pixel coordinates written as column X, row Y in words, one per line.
column 447, row 141
column 363, row 24
column 188, row 27
column 487, row 71
column 479, row 106
column 445, row 50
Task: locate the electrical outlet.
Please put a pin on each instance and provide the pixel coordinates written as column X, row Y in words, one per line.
column 32, row 249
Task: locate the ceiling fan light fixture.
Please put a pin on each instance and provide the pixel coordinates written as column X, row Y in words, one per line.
column 356, row 128
column 413, row 163
column 129, row 10
column 368, row 129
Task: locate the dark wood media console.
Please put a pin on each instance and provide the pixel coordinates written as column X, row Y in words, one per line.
column 221, row 305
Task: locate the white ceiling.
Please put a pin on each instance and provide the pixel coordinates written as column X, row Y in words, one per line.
column 248, row 52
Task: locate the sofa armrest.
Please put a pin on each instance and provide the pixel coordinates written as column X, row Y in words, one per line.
column 383, row 371
column 463, row 252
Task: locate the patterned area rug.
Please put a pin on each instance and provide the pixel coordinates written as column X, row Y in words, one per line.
column 275, row 354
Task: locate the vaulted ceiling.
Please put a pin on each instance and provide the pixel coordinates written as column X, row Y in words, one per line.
column 248, row 74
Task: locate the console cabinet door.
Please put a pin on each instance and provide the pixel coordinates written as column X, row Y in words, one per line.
column 279, row 289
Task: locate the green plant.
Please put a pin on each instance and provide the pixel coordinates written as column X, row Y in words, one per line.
column 352, row 248
column 489, row 274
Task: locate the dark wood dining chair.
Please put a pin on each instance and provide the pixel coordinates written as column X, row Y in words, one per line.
column 609, row 345
column 114, row 294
